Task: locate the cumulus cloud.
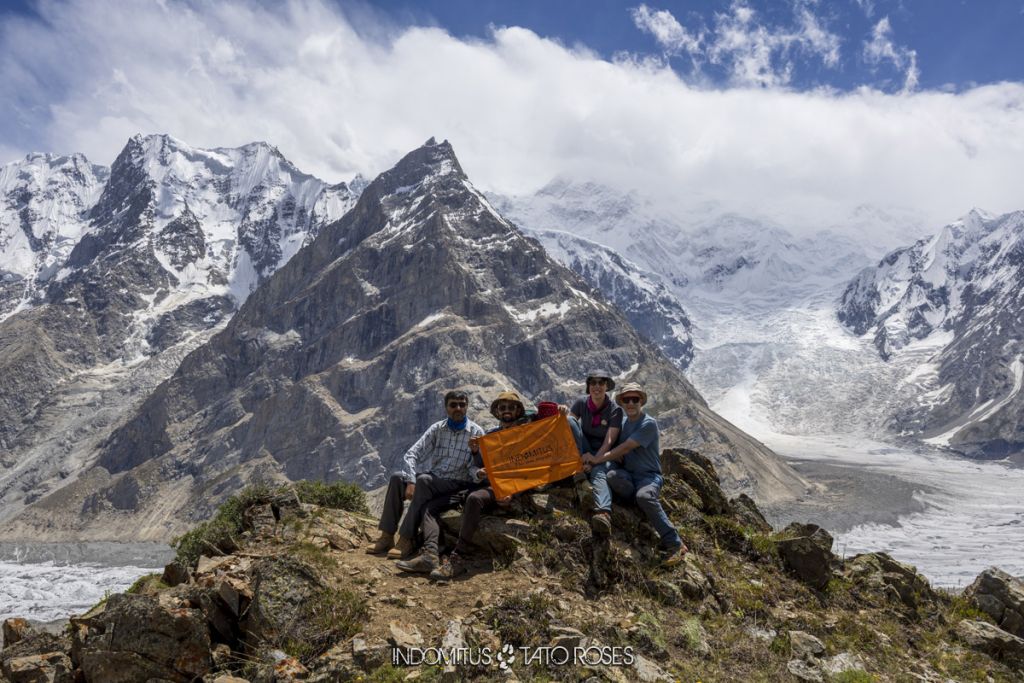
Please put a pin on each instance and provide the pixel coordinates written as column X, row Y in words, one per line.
column 881, row 49
column 519, row 110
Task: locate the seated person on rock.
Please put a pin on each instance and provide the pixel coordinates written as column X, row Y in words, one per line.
column 600, row 422
column 639, row 474
column 438, row 463
column 509, row 410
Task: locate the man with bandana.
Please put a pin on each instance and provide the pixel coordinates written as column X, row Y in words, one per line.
column 440, row 463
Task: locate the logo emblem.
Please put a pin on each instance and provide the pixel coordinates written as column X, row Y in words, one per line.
column 506, row 657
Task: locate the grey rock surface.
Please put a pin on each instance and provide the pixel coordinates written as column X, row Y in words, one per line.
column 1001, row 596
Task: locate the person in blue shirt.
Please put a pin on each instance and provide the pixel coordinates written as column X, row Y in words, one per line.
column 637, row 474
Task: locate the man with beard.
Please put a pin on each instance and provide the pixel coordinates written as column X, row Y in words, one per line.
column 509, row 410
column 438, row 464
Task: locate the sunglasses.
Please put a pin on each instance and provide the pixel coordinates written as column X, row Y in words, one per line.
column 457, row 404
column 630, row 399
column 503, row 406
column 597, row 380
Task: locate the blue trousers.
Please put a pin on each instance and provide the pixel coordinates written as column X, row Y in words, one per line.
column 597, row 473
column 645, row 487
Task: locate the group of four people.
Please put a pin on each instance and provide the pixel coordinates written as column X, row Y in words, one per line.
column 619, row 449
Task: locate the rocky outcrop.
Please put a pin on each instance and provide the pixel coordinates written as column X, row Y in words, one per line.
column 1000, row 596
column 135, row 637
column 806, row 550
column 298, row 599
column 993, row 641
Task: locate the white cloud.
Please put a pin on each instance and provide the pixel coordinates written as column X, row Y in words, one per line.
column 753, row 53
column 666, row 29
column 882, row 49
column 519, row 110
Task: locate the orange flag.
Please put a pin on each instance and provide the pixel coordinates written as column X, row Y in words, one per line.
column 520, row 458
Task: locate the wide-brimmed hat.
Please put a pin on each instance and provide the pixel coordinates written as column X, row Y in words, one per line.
column 599, row 374
column 631, row 388
column 507, row 396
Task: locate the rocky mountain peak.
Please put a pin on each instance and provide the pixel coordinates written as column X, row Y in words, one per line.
column 431, row 163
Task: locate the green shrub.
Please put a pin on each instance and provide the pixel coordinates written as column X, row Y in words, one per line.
column 852, row 676
column 339, row 495
column 147, row 584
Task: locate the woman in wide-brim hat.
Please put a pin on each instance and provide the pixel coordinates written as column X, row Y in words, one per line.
column 600, row 421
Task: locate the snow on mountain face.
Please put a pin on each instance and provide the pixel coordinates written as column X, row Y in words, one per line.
column 708, row 261
column 247, row 210
column 917, row 290
column 130, row 269
column 640, row 295
column 44, row 203
column 962, row 289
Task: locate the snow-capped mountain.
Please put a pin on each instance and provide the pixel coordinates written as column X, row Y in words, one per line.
column 640, row 295
column 961, row 289
column 128, row 269
column 343, row 353
column 707, row 260
column 44, row 206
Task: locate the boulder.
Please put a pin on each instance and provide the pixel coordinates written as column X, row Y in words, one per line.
column 998, row 595
column 806, row 550
column 992, row 640
column 499, row 536
column 136, row 638
column 804, row 646
column 841, row 663
column 894, row 580
column 175, row 573
column 747, row 514
column 804, row 670
column 699, row 474
column 15, row 629
column 49, row 667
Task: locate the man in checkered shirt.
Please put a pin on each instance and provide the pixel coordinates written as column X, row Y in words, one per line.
column 439, row 464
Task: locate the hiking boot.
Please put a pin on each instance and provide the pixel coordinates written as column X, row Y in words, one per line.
column 673, row 556
column 453, row 566
column 383, row 544
column 424, row 563
column 601, row 523
column 405, row 549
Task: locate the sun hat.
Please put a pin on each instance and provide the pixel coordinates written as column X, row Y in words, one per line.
column 599, row 374
column 507, row 396
column 631, row 388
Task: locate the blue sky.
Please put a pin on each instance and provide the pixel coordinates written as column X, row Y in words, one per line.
column 958, row 43
column 800, row 112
